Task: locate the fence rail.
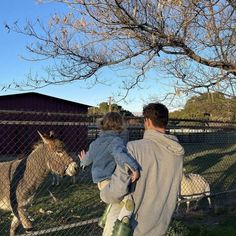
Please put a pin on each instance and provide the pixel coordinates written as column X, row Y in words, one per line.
column 72, row 208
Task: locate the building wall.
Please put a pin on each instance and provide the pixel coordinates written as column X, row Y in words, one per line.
column 40, row 102
column 22, row 115
column 19, row 139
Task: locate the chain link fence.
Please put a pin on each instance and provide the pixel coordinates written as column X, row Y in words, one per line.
column 71, row 205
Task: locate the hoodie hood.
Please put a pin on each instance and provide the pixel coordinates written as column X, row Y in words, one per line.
column 169, row 142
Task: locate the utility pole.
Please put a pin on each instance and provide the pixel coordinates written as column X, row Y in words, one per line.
column 109, row 103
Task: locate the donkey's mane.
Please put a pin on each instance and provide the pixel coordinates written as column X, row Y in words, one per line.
column 36, row 145
column 40, row 142
column 57, row 142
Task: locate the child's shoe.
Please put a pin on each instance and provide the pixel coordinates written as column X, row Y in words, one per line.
column 103, row 218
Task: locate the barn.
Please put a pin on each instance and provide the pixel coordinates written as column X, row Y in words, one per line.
column 40, row 103
column 21, row 115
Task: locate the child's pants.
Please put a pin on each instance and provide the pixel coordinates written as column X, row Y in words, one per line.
column 111, row 219
column 118, row 210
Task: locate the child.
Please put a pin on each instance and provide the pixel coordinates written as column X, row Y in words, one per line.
column 107, row 151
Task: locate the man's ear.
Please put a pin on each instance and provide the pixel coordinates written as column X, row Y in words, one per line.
column 149, row 123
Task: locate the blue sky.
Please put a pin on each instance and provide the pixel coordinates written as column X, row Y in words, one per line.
column 13, row 68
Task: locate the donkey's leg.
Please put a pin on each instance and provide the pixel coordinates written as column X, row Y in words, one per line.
column 26, row 223
column 14, row 225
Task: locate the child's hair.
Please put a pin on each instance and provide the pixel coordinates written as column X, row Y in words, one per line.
column 157, row 113
column 112, row 121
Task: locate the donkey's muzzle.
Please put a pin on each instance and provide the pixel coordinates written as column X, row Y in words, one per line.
column 72, row 169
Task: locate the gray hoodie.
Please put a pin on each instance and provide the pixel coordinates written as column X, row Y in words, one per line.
column 161, row 158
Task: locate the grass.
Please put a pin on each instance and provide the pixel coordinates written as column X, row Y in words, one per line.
column 73, row 203
column 217, row 163
column 63, row 205
column 222, row 225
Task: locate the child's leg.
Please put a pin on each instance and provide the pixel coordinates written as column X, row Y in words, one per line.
column 103, row 184
column 122, row 227
column 111, row 218
column 127, row 207
column 103, row 218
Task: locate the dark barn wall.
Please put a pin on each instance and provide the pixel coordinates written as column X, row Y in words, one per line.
column 21, row 115
column 40, row 102
column 20, row 139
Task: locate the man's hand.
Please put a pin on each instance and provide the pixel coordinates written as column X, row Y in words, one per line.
column 134, row 175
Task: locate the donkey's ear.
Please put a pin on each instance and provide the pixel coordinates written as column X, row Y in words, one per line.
column 51, row 134
column 45, row 140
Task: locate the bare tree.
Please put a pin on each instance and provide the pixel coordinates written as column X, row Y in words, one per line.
column 193, row 41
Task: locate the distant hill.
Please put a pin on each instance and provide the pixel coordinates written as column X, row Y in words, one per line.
column 213, row 106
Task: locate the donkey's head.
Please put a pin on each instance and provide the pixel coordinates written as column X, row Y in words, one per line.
column 58, row 160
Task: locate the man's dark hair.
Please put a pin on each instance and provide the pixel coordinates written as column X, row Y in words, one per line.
column 157, row 113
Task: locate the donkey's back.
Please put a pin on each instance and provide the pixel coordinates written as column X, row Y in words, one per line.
column 6, row 169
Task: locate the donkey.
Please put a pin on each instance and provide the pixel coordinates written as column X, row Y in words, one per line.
column 20, row 178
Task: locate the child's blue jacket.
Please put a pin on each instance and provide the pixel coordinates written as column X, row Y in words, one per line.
column 104, row 153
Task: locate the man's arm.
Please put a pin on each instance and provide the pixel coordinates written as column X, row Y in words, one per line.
column 118, row 186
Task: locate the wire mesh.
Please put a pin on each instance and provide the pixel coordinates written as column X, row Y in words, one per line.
column 71, row 205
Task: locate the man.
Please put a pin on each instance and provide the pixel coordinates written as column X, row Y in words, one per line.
column 161, row 159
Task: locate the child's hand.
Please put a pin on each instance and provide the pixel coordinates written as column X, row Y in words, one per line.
column 81, row 155
column 134, row 175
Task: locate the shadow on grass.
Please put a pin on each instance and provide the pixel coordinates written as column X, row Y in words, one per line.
column 216, row 163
